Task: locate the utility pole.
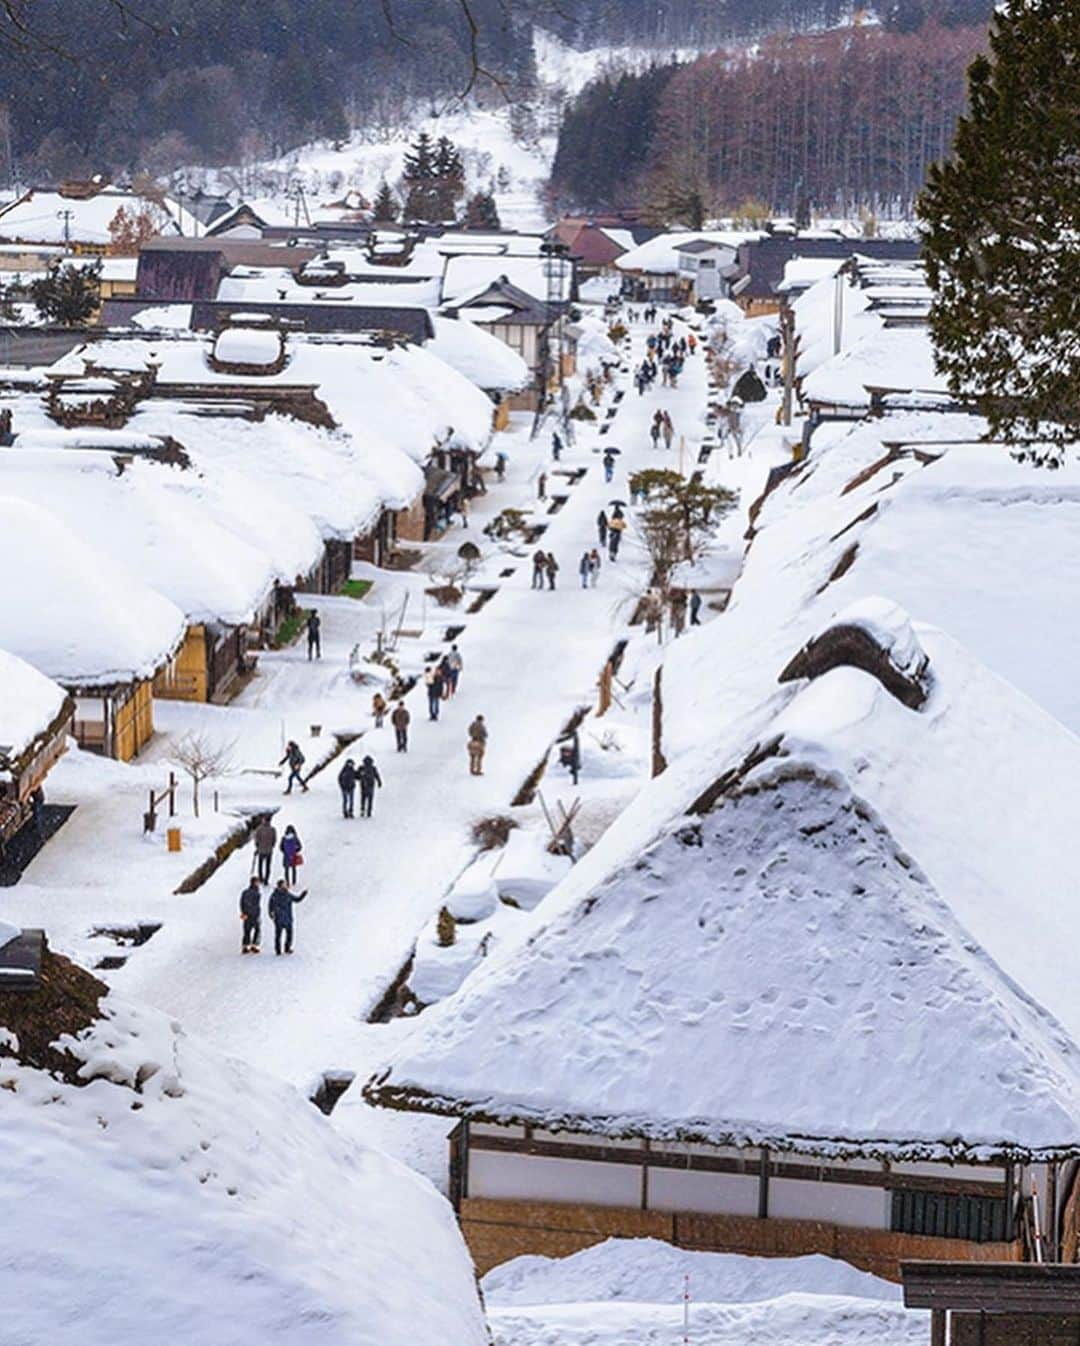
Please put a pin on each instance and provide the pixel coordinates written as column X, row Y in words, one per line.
column 66, row 216
column 787, row 339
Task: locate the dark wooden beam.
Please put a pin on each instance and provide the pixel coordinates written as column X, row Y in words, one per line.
column 992, row 1287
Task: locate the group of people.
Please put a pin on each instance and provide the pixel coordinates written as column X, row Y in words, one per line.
column 441, row 680
column 662, row 428
column 282, row 898
column 589, row 568
column 610, row 531
column 546, row 567
column 367, row 777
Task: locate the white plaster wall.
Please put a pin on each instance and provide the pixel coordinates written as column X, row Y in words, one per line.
column 524, row 1177
column 835, row 1203
column 708, row 1193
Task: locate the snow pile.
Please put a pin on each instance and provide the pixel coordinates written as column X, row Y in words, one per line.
column 527, row 871
column 75, row 614
column 626, row 1291
column 660, row 255
column 243, row 1224
column 8, row 932
column 30, row 703
column 247, row 346
column 651, row 1271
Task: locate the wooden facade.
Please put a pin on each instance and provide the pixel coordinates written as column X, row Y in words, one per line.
column 115, row 721
column 206, row 665
column 996, row 1304
column 521, row 1189
column 22, row 775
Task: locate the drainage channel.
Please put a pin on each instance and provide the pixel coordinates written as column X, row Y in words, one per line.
column 483, row 597
column 557, row 503
column 332, row 1087
column 127, row 937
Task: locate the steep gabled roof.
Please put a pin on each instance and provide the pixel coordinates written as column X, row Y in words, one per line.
column 774, row 970
column 503, row 294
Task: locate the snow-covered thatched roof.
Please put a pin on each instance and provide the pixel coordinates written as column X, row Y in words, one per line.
column 74, row 613
column 236, row 1209
column 477, row 355
column 29, row 705
column 803, row 957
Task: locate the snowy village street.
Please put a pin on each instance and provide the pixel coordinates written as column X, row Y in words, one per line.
column 373, row 884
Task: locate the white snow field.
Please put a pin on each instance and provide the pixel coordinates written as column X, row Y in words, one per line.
column 178, row 1195
column 626, row 1291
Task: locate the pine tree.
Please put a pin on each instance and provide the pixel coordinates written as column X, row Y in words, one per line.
column 385, row 210
column 421, row 187
column 68, row 295
column 1001, row 219
column 481, row 212
column 449, row 175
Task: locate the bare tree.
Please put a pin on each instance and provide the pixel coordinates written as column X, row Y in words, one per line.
column 202, row 758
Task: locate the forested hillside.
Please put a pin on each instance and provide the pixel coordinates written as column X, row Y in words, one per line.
column 150, row 84
column 838, row 120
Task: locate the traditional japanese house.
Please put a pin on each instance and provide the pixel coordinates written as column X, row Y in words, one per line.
column 35, row 720
column 91, row 625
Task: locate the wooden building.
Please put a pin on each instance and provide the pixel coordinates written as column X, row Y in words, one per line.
column 35, row 720
column 996, row 1304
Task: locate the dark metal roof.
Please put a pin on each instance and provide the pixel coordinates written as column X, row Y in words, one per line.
column 411, row 324
column 764, row 259
column 179, row 274
column 501, row 293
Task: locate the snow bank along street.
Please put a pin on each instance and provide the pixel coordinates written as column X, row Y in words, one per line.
column 693, row 958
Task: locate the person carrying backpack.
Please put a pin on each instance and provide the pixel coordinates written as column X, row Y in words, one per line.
column 295, row 759
column 368, row 776
column 281, row 913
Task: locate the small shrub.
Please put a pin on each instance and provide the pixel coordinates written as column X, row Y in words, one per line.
column 491, row 833
column 582, row 413
column 446, row 595
column 445, row 929
column 617, row 332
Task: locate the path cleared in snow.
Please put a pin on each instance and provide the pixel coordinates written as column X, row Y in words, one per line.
column 531, row 659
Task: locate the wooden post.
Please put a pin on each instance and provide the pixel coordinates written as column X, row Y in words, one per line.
column 763, row 1185
column 787, row 337
column 645, row 1174
column 172, row 795
column 937, row 1327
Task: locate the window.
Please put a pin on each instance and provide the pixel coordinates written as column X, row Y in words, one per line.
column 982, row 1219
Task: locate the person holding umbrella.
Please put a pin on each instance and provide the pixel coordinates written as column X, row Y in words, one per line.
column 615, row 531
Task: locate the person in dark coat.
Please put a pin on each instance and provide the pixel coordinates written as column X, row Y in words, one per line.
column 347, row 784
column 295, row 759
column 551, row 568
column 556, row 446
column 400, row 720
column 251, row 915
column 291, row 853
column 368, row 776
column 695, row 608
column 447, row 675
column 434, row 683
column 37, row 812
column 539, row 564
column 541, row 486
column 601, row 528
column 585, row 569
column 609, row 466
column 265, row 841
column 281, row 913
column 314, row 635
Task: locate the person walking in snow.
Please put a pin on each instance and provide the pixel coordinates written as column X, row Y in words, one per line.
column 347, row 784
column 556, row 445
column 314, row 636
column 594, row 567
column 539, row 565
column 584, row 569
column 615, row 531
column 541, row 486
column 295, row 759
column 601, row 528
column 667, row 430
column 369, row 778
column 655, row 429
column 551, row 569
column 292, row 853
column 478, row 737
column 433, row 683
column 609, row 465
column 281, row 913
column 400, row 720
column 455, row 663
column 500, row 465
column 444, row 675
column 265, row 841
column 379, row 709
column 695, row 608
column 251, row 914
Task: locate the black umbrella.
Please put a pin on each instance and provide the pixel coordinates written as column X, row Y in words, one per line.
column 611, row 450
column 619, row 504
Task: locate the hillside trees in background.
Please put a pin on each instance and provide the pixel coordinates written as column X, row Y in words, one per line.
column 834, row 121
column 1001, row 218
